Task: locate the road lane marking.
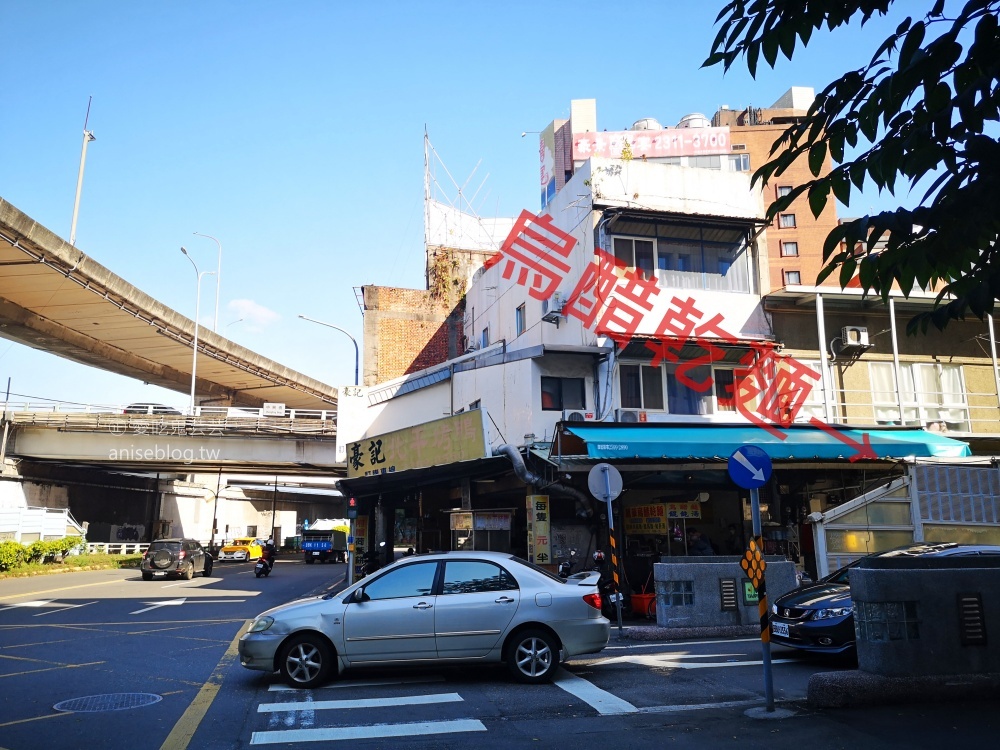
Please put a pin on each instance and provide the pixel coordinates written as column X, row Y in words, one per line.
column 376, row 731
column 311, row 705
column 182, row 733
column 278, row 688
column 167, row 603
column 674, row 661
column 50, row 669
column 605, row 702
column 32, row 604
column 66, row 607
column 61, row 588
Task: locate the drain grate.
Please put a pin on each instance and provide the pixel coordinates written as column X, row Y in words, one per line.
column 109, row 702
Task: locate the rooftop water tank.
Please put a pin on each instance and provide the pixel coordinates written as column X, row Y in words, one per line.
column 695, row 120
column 647, row 123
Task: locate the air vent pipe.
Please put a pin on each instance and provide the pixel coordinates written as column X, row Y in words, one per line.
column 526, row 475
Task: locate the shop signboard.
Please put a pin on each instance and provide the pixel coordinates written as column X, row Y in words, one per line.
column 360, row 545
column 491, row 522
column 684, row 510
column 436, row 443
column 646, row 519
column 539, row 544
column 461, row 521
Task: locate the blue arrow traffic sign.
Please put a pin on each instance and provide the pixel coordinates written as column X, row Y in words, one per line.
column 750, row 467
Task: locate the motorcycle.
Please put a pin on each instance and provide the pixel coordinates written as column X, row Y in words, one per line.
column 263, row 567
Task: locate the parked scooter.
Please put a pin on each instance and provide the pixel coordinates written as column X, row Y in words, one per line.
column 372, row 560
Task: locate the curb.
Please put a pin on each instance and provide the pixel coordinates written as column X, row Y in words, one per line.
column 858, row 688
column 656, row 633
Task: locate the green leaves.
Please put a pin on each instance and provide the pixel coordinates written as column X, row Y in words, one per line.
column 923, row 113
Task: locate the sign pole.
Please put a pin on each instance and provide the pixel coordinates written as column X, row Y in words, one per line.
column 750, row 468
column 614, row 549
column 765, row 624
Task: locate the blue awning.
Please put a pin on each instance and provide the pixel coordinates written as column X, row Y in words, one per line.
column 717, row 441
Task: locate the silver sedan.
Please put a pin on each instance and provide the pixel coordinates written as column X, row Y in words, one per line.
column 451, row 608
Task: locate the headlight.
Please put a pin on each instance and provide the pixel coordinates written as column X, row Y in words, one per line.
column 261, row 624
column 774, row 609
column 824, row 614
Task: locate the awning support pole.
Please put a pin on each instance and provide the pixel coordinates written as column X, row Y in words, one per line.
column 824, row 366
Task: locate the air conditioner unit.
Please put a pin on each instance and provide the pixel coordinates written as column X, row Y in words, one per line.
column 630, row 415
column 577, row 416
column 854, row 336
column 552, row 308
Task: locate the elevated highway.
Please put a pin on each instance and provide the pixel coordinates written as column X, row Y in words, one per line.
column 213, row 439
column 55, row 298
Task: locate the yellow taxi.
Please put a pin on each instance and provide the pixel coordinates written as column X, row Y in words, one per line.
column 243, row 549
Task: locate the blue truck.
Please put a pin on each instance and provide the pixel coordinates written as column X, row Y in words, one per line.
column 324, row 545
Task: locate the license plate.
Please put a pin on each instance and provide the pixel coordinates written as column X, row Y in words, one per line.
column 316, row 553
column 779, row 628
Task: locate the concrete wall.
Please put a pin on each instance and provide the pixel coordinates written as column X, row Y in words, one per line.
column 909, row 620
column 703, row 608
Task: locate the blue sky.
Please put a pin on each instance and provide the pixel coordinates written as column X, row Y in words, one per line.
column 293, row 133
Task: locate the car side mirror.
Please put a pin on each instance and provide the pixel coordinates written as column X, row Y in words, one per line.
column 359, row 596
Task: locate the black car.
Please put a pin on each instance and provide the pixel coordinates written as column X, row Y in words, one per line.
column 819, row 617
column 181, row 558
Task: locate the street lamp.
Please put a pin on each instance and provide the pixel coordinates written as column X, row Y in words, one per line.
column 218, row 279
column 197, row 312
column 330, row 325
column 88, row 136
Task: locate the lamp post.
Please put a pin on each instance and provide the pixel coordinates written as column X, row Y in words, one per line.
column 88, row 136
column 197, row 312
column 218, row 279
column 330, row 325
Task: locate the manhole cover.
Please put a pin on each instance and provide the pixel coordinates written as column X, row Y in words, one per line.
column 109, row 702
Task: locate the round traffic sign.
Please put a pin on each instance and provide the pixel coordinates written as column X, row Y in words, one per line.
column 750, row 467
column 605, row 482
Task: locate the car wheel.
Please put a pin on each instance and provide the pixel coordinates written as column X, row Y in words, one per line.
column 533, row 656
column 208, row 567
column 309, row 561
column 146, row 576
column 306, row 661
column 189, row 571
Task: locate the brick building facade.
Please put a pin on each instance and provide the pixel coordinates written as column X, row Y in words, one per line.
column 795, row 238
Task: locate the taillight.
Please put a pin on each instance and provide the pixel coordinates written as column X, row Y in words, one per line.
column 181, row 554
column 594, row 600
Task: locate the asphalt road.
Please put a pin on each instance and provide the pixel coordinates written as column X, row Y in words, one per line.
column 105, row 660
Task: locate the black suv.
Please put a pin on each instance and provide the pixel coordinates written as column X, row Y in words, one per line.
column 176, row 557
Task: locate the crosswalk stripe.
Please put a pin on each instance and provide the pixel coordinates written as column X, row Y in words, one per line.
column 330, row 734
column 411, row 700
column 606, row 703
column 278, row 688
